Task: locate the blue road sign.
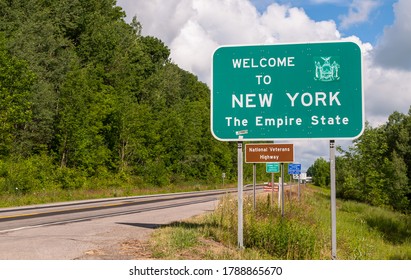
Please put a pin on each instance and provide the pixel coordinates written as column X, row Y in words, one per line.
column 294, row 168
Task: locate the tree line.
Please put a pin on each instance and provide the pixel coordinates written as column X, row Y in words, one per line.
column 84, row 94
column 376, row 169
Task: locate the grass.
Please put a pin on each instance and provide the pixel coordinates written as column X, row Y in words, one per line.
column 363, row 232
column 97, row 188
column 374, row 233
column 37, row 180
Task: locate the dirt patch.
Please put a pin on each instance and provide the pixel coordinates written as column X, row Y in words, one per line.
column 136, row 249
column 127, row 250
column 141, row 250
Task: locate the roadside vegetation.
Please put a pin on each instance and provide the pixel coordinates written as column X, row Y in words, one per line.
column 376, row 169
column 363, row 232
column 92, row 108
column 92, row 188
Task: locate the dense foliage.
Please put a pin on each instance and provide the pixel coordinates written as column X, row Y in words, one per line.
column 84, row 94
column 377, row 168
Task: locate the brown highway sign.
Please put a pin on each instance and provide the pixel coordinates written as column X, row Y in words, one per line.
column 257, row 153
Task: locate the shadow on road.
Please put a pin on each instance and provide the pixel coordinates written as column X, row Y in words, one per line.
column 143, row 225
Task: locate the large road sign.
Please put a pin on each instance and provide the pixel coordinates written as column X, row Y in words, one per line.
column 289, row 91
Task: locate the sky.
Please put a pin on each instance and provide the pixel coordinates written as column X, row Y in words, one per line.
column 193, row 29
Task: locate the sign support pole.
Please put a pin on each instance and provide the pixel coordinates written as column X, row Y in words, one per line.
column 240, row 194
column 333, row 202
column 299, row 186
column 282, row 189
column 279, row 188
column 254, row 185
column 272, row 188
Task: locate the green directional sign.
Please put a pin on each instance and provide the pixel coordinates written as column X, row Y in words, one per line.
column 272, row 167
column 289, row 91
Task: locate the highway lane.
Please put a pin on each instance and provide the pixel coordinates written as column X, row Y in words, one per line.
column 23, row 218
column 41, row 215
column 73, row 230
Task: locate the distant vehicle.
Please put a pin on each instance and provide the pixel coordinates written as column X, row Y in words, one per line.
column 269, row 187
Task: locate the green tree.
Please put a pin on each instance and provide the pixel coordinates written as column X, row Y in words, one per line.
column 374, row 170
column 398, row 133
column 15, row 108
column 85, row 104
column 102, row 98
column 33, row 33
column 320, row 171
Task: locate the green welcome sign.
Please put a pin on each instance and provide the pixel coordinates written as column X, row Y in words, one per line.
column 289, row 91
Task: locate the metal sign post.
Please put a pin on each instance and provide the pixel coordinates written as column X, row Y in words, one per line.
column 295, row 169
column 272, row 188
column 272, row 167
column 282, row 190
column 333, row 202
column 240, row 194
column 254, row 185
column 280, row 184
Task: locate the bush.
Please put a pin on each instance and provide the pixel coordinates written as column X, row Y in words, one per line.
column 70, row 179
column 23, row 176
column 265, row 230
column 283, row 239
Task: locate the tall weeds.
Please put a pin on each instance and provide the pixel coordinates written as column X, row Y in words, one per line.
column 266, row 230
column 364, row 232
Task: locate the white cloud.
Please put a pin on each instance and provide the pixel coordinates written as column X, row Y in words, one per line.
column 386, row 90
column 194, row 28
column 359, row 12
column 287, row 24
column 162, row 19
column 394, row 47
column 192, row 49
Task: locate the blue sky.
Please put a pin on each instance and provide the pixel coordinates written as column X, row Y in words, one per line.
column 193, row 29
column 368, row 30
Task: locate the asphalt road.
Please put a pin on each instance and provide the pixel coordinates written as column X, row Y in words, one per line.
column 80, row 230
